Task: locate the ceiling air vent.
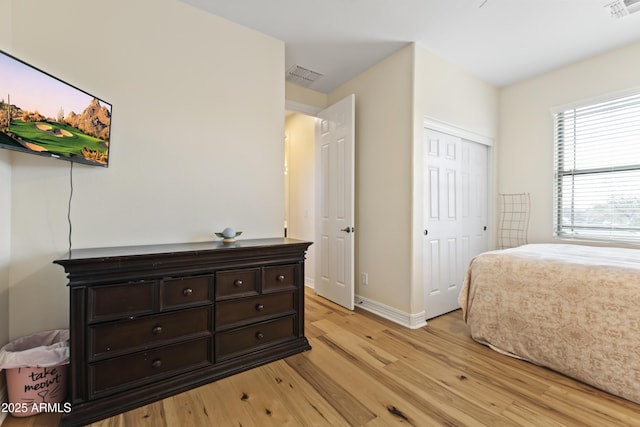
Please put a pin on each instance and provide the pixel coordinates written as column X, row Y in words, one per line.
column 621, row 8
column 303, row 76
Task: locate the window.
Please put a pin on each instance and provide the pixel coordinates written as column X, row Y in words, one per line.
column 597, row 171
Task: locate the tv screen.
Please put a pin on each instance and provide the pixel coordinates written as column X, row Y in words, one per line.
column 41, row 114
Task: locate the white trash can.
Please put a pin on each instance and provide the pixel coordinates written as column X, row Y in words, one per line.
column 37, row 370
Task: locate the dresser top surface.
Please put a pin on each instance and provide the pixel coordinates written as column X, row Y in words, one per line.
column 175, row 248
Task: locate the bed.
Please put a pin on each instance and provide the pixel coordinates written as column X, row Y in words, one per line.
column 574, row 309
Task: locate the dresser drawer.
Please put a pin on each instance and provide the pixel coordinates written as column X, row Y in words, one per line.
column 145, row 367
column 236, row 283
column 121, row 300
column 184, row 291
column 279, row 277
column 132, row 335
column 247, row 310
column 254, row 337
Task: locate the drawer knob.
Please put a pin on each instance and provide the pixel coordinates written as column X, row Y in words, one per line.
column 157, row 330
column 259, row 335
column 238, row 282
column 187, row 292
column 259, row 307
column 280, row 278
column 156, row 363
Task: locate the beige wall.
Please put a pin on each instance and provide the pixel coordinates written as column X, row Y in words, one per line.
column 196, row 138
column 5, row 236
column 452, row 95
column 383, row 178
column 301, row 98
column 5, row 208
column 5, row 243
column 526, row 125
column 300, row 133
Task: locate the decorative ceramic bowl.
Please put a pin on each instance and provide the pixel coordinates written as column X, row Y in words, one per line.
column 227, row 237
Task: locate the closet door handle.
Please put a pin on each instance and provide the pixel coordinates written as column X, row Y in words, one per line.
column 347, row 229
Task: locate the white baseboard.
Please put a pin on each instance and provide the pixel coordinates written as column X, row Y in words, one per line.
column 411, row 321
column 309, row 283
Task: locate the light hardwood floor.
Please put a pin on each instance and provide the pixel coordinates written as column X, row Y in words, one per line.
column 366, row 371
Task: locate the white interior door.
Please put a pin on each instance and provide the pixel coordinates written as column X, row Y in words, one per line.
column 335, row 154
column 455, row 211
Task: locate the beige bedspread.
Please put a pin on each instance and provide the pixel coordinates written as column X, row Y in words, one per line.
column 574, row 309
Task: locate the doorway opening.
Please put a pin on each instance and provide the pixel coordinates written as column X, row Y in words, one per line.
column 299, row 184
column 320, row 180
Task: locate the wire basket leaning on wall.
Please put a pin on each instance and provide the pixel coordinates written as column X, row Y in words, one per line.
column 514, row 220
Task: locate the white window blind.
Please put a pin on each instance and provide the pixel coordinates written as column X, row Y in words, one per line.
column 597, row 171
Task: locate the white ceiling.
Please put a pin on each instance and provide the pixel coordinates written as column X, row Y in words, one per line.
column 499, row 41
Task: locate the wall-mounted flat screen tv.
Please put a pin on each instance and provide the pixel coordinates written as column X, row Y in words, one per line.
column 41, row 114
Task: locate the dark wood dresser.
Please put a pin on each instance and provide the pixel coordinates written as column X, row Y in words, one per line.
column 148, row 322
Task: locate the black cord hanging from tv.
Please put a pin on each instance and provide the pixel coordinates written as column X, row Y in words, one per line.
column 70, row 197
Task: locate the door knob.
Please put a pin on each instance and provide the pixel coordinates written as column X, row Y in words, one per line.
column 347, row 229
